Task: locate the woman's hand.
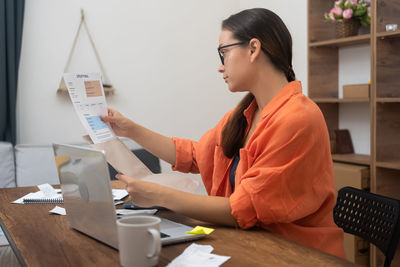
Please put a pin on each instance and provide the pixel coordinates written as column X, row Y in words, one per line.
column 144, row 194
column 121, row 125
column 205, row 208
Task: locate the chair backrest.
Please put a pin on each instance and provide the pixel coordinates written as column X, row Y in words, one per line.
column 370, row 216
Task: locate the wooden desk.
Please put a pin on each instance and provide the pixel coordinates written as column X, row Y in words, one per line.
column 39, row 238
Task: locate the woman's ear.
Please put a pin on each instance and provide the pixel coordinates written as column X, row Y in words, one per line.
column 255, row 49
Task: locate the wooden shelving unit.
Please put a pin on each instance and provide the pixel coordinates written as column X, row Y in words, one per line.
column 384, row 35
column 342, row 42
column 352, row 158
column 340, row 100
column 384, row 100
column 390, row 165
column 388, row 99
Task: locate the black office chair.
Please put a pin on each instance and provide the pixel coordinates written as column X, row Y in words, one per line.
column 372, row 217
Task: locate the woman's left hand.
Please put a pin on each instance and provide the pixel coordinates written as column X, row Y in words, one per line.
column 144, row 194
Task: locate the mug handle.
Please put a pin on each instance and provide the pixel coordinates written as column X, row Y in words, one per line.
column 156, row 243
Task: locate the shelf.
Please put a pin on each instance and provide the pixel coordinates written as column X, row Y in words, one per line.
column 390, row 165
column 391, row 34
column 352, row 158
column 107, row 90
column 388, row 99
column 341, row 42
column 339, row 100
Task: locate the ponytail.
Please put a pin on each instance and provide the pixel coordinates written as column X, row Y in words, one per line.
column 235, row 129
column 290, row 76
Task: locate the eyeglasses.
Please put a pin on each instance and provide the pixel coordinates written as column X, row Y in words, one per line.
column 221, row 53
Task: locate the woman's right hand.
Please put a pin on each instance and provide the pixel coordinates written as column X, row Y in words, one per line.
column 121, row 125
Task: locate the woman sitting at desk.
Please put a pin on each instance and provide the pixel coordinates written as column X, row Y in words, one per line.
column 267, row 163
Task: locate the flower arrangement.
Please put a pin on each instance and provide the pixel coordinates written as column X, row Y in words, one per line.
column 350, row 9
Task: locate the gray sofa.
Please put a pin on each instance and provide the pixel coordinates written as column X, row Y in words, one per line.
column 28, row 165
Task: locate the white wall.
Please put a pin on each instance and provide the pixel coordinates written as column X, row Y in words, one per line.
column 159, row 55
column 355, row 68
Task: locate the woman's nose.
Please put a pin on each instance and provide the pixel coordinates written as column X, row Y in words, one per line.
column 221, row 68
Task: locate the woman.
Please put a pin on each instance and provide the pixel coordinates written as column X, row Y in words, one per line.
column 267, row 163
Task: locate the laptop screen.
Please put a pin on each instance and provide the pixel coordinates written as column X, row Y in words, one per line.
column 85, row 184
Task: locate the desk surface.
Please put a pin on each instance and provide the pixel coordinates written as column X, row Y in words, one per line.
column 42, row 239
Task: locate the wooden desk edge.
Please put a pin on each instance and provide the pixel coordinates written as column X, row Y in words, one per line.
column 12, row 244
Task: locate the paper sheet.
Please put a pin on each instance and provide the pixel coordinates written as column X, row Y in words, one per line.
column 61, row 211
column 87, row 95
column 126, row 212
column 198, row 255
column 124, row 161
column 58, row 210
column 45, row 191
column 121, row 158
column 119, row 194
column 176, row 181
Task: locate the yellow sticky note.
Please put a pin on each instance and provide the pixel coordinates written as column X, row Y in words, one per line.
column 200, row 230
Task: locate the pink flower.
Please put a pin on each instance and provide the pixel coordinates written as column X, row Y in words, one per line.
column 338, row 2
column 347, row 13
column 355, row 2
column 336, row 10
column 331, row 15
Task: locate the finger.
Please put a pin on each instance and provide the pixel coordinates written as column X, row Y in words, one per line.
column 111, row 111
column 107, row 119
column 123, row 178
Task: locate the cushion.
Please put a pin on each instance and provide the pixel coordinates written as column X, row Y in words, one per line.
column 7, row 165
column 35, row 165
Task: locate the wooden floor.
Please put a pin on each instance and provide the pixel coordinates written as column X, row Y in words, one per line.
column 7, row 257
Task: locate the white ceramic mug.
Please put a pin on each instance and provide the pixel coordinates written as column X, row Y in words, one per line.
column 139, row 241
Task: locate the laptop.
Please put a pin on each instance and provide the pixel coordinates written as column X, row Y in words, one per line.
column 88, row 199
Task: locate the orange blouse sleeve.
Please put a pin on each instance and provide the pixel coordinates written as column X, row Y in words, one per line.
column 289, row 170
column 190, row 154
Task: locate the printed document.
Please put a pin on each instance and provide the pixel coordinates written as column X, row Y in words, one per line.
column 87, row 95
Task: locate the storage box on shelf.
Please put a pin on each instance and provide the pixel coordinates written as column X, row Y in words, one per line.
column 356, row 91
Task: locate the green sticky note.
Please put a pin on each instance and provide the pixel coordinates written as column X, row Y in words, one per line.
column 200, row 230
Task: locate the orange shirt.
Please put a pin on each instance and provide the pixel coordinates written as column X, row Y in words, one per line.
column 284, row 180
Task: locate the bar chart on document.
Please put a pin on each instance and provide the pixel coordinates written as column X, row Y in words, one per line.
column 87, row 95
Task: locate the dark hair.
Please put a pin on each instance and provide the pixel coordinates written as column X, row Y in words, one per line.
column 276, row 43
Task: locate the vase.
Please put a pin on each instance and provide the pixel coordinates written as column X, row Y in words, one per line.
column 346, row 27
